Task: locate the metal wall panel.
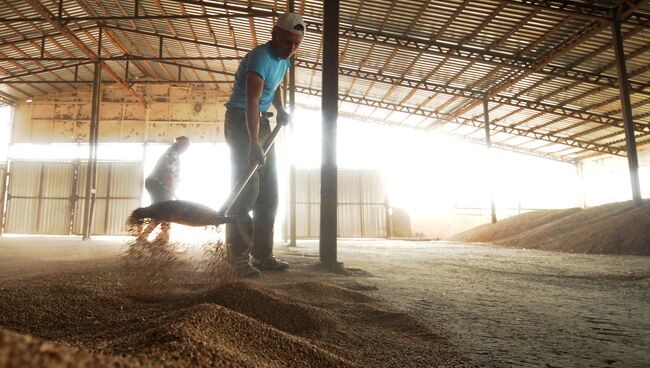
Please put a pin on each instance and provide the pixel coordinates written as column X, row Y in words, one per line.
column 361, row 204
column 119, row 188
column 39, row 198
column 54, row 217
column 21, row 215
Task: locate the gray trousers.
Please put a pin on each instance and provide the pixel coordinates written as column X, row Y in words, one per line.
column 157, row 191
column 248, row 235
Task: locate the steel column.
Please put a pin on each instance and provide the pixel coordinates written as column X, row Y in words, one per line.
column 292, row 169
column 632, row 159
column 91, row 167
column 488, row 142
column 330, row 82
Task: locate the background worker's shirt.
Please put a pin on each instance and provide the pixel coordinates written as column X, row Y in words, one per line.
column 168, row 169
column 263, row 61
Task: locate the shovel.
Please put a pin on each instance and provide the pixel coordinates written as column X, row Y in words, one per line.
column 192, row 213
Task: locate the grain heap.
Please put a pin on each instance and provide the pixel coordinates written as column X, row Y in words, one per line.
column 86, row 314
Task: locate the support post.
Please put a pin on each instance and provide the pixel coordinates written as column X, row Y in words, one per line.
column 626, row 108
column 91, row 167
column 488, row 142
column 329, row 198
column 292, row 168
column 580, row 173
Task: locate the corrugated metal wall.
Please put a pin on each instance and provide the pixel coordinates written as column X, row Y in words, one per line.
column 119, row 187
column 38, row 200
column 361, row 204
column 48, row 197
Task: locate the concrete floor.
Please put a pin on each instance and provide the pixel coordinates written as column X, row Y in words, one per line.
column 501, row 307
column 513, row 308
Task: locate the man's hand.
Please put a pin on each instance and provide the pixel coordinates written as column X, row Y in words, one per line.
column 284, row 118
column 256, row 154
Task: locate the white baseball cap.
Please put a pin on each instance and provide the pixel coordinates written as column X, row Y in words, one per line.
column 291, row 22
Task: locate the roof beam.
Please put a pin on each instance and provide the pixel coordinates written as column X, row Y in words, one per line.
column 583, row 34
column 423, row 85
column 123, row 18
column 497, row 128
column 448, row 49
column 483, row 56
column 466, row 138
column 45, row 70
column 475, row 95
column 109, row 32
column 45, row 13
column 590, row 11
column 447, row 117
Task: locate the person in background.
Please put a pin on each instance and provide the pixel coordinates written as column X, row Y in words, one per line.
column 163, row 181
column 247, row 127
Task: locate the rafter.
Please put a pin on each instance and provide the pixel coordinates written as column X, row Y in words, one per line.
column 45, row 13
column 474, row 95
column 584, row 33
column 583, row 10
column 109, row 33
column 497, row 128
column 500, row 59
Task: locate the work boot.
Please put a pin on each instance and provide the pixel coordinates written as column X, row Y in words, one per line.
column 244, row 269
column 270, row 264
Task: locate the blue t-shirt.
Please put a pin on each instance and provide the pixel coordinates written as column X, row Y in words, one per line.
column 271, row 69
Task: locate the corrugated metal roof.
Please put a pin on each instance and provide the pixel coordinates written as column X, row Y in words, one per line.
column 548, row 67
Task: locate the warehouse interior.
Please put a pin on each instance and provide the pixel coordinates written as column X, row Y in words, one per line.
column 463, row 184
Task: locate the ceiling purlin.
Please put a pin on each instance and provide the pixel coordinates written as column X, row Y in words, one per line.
column 34, row 44
column 484, row 24
column 174, row 33
column 214, row 39
column 160, row 49
column 370, row 51
column 454, row 91
column 44, row 70
column 431, row 114
column 603, row 68
column 448, row 48
column 556, row 27
column 584, row 33
column 393, row 52
column 588, row 10
column 344, row 52
column 498, row 42
column 441, row 116
column 40, row 38
column 108, row 32
column 45, row 13
column 506, row 147
column 478, row 96
column 449, row 21
column 439, row 48
column 198, row 49
column 146, row 63
column 486, row 57
column 472, row 122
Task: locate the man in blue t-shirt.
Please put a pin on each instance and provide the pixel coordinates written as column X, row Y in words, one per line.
column 256, row 87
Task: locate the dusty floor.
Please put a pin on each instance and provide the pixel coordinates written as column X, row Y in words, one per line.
column 67, row 303
column 514, row 308
column 501, row 307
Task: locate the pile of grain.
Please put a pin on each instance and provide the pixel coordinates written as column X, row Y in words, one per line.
column 88, row 314
column 616, row 228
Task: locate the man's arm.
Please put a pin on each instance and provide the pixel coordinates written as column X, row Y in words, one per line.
column 278, row 102
column 278, row 99
column 254, row 85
